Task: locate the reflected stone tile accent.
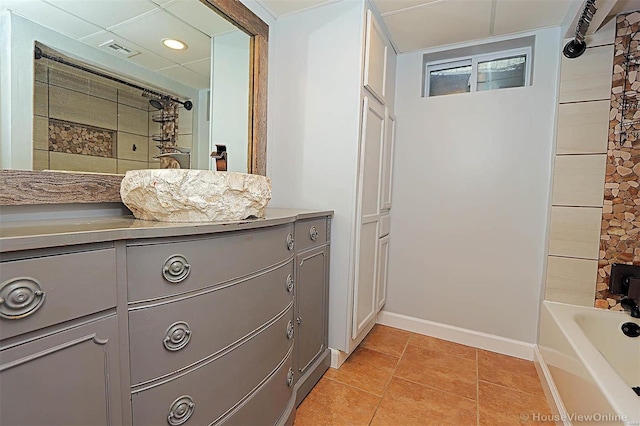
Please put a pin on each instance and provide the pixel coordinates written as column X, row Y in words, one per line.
column 74, row 138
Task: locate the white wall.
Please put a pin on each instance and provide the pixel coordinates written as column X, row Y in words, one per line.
column 314, row 97
column 230, row 94
column 470, row 201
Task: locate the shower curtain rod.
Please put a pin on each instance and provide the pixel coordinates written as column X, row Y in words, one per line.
column 38, row 54
column 577, row 46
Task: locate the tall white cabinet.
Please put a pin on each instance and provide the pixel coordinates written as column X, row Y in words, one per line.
column 332, row 129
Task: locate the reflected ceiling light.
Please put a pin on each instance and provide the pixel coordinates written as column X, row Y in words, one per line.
column 174, row 44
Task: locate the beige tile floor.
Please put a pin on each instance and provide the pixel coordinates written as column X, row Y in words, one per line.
column 400, row 378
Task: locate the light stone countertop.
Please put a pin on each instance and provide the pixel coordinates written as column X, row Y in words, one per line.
column 33, row 234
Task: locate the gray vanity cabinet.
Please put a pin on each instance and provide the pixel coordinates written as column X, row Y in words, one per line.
column 68, row 378
column 311, row 293
column 210, row 324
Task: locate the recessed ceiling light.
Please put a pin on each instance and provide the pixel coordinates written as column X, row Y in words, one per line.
column 174, row 44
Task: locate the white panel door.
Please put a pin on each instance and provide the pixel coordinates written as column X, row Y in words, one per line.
column 387, row 160
column 383, row 267
column 371, row 142
column 375, row 58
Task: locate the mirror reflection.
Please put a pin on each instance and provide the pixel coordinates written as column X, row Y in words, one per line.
column 121, row 85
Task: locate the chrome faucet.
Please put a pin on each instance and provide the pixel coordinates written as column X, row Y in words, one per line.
column 182, row 156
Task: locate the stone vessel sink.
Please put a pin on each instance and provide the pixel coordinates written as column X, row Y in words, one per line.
column 186, row 195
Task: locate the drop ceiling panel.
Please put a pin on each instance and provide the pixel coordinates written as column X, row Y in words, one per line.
column 186, row 76
column 200, row 16
column 51, row 17
column 151, row 29
column 105, row 13
column 440, row 23
column 202, row 67
column 387, row 6
column 285, row 7
column 146, row 58
column 521, row 15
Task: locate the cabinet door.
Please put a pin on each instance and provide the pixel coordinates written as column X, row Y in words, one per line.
column 311, row 307
column 68, row 378
column 375, row 58
column 371, row 142
column 383, row 268
column 387, row 160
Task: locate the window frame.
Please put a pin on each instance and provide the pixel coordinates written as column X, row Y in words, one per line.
column 475, row 60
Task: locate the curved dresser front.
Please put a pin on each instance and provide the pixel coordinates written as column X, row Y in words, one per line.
column 204, row 323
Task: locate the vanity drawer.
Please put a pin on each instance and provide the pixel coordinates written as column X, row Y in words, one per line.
column 182, row 332
column 310, row 233
column 52, row 289
column 266, row 405
column 215, row 388
column 164, row 269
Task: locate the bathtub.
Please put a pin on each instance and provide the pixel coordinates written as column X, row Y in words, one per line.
column 589, row 364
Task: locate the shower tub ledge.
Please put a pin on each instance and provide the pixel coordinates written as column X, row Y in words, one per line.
column 590, row 366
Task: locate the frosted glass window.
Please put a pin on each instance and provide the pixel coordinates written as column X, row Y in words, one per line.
column 450, row 80
column 497, row 70
column 502, row 73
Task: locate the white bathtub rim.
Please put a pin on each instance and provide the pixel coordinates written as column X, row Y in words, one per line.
column 549, row 387
column 603, row 374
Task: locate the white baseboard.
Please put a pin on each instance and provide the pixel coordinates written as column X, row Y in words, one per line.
column 338, row 358
column 460, row 335
column 550, row 390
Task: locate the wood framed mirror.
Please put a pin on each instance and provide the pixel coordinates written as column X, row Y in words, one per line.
column 20, row 187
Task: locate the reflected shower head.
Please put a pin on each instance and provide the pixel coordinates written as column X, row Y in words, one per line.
column 157, row 104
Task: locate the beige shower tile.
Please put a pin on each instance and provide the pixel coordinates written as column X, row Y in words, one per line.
column 572, row 275
column 185, row 121
column 40, row 99
column 133, row 98
column 605, row 35
column 571, row 297
column 82, row 82
column 41, row 71
column 578, row 180
column 126, row 165
column 583, row 128
column 587, row 77
column 185, row 141
column 82, row 163
column 81, row 108
column 575, row 232
column 40, row 133
column 133, row 147
column 40, row 160
column 133, row 120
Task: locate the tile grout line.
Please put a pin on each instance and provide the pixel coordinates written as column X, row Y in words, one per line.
column 351, row 386
column 393, row 373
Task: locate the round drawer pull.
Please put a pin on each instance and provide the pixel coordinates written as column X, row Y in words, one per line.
column 176, row 268
column 290, row 283
column 20, row 297
column 313, row 233
column 290, row 241
column 177, row 336
column 290, row 377
column 180, row 410
column 290, row 330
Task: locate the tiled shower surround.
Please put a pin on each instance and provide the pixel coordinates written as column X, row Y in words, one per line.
column 77, row 139
column 620, row 231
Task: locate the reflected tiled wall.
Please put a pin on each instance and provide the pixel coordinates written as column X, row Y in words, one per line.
column 70, row 104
